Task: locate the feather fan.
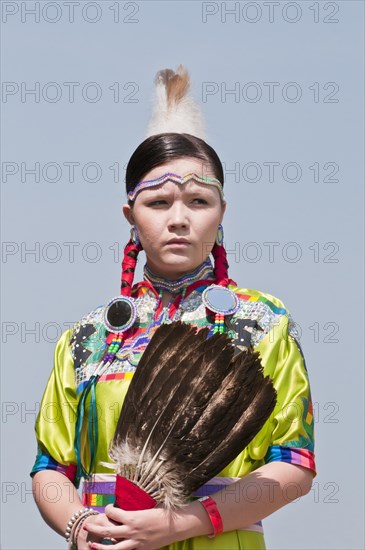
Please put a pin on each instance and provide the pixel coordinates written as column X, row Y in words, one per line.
column 192, row 406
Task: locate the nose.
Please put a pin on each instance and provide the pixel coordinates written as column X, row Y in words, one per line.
column 178, row 216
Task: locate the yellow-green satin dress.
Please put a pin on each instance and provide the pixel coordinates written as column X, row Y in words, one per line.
column 287, row 435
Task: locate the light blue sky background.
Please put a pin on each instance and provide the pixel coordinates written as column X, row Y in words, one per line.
column 322, row 212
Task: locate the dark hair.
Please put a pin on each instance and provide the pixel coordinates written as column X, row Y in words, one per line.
column 162, row 148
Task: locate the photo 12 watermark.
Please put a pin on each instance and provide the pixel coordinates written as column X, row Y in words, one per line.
column 325, row 492
column 270, row 92
column 236, row 171
column 249, row 252
column 270, row 12
column 69, row 92
column 71, row 12
column 21, row 412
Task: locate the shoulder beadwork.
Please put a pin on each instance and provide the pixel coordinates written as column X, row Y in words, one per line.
column 87, row 337
column 260, row 311
column 88, row 343
column 256, row 296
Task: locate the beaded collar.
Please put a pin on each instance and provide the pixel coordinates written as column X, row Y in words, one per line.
column 203, row 271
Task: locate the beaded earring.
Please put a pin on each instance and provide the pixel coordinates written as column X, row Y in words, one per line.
column 220, row 235
column 134, row 235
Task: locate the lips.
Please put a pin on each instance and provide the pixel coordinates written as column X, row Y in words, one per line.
column 178, row 241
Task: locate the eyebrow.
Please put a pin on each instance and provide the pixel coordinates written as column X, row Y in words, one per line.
column 163, row 192
column 155, row 192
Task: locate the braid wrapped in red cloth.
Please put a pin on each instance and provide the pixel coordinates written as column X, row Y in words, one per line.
column 129, row 263
column 221, row 266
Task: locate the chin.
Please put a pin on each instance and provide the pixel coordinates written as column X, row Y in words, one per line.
column 181, row 263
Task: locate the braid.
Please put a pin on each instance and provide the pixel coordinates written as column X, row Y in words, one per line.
column 220, row 265
column 129, row 262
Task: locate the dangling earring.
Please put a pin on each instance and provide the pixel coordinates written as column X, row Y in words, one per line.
column 220, row 235
column 134, row 235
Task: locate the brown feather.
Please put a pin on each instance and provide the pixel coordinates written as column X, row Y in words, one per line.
column 191, row 408
column 177, row 83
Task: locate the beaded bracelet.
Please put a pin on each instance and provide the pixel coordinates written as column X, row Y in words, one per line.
column 72, row 521
column 77, row 527
column 214, row 515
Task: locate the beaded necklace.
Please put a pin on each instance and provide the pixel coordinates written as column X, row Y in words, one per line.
column 178, row 288
column 203, row 271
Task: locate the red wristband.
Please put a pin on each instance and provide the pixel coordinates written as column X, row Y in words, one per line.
column 214, row 515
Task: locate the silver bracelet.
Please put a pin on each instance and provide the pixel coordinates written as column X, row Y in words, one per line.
column 77, row 527
column 72, row 521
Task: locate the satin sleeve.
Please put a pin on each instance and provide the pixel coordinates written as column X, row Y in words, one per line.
column 55, row 423
column 292, row 422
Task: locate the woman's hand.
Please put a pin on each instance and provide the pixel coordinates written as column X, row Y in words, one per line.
column 142, row 530
column 86, row 536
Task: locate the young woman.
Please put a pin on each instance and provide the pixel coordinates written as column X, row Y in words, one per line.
column 176, row 207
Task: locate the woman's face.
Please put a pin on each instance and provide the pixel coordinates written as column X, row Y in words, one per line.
column 176, row 224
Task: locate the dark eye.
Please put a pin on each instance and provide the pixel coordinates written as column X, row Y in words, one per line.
column 200, row 201
column 157, row 203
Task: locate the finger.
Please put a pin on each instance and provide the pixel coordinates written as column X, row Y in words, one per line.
column 105, row 531
column 116, row 514
column 121, row 545
column 100, row 519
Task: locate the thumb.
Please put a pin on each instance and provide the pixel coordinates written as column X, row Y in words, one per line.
column 116, row 514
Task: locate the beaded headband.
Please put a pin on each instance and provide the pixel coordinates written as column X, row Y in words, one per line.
column 179, row 180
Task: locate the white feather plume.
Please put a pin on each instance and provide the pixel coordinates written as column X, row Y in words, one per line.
column 174, row 109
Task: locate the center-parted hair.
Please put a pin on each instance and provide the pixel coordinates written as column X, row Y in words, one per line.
column 163, row 148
